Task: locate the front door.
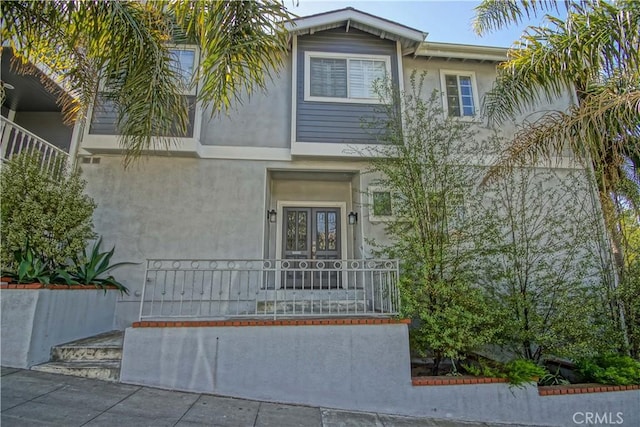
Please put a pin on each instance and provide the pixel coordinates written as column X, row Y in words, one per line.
column 311, row 235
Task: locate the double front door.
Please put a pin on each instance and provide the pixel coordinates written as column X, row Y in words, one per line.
column 311, row 236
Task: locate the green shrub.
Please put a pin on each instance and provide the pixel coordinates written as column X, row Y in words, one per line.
column 610, row 369
column 522, row 371
column 53, row 215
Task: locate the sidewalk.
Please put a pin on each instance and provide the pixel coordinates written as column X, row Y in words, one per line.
column 31, row 398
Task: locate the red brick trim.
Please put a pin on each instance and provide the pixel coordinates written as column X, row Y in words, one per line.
column 443, row 380
column 554, row 390
column 255, row 322
column 4, row 286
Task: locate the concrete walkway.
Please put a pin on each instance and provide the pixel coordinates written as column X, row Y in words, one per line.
column 31, row 398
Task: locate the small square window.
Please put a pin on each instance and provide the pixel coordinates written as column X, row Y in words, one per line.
column 383, row 204
column 459, row 93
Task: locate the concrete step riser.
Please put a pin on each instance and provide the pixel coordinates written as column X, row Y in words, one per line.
column 316, row 307
column 85, row 353
column 105, row 374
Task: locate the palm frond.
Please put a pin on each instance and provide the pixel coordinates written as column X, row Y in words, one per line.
column 242, row 45
column 493, row 15
column 603, row 130
column 591, row 45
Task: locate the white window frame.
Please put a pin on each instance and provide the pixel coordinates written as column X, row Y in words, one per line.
column 474, row 91
column 307, row 75
column 381, row 218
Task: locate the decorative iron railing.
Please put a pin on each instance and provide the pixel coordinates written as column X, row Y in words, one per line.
column 15, row 140
column 206, row 289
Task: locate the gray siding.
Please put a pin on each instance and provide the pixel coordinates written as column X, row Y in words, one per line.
column 103, row 119
column 336, row 122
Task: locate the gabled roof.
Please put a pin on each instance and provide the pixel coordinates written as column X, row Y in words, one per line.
column 349, row 17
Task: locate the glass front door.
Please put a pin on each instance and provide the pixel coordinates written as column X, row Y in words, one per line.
column 311, row 236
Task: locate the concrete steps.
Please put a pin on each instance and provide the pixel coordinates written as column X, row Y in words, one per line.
column 95, row 357
column 311, row 307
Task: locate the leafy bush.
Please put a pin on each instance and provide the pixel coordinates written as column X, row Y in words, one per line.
column 53, row 215
column 483, row 369
column 610, row 369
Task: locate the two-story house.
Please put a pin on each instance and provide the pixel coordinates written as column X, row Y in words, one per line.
column 277, row 179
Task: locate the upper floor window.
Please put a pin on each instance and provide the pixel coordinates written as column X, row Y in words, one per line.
column 460, row 94
column 184, row 59
column 334, row 77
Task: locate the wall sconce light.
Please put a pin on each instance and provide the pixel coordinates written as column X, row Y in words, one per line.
column 272, row 216
column 353, row 218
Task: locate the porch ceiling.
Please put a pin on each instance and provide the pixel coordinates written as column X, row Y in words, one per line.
column 338, row 176
column 28, row 94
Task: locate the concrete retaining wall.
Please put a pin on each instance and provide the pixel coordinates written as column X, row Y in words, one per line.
column 34, row 320
column 354, row 367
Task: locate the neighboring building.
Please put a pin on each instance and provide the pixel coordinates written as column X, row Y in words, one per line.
column 277, row 178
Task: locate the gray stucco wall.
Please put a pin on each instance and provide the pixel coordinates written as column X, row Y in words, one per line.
column 35, row 320
column 49, row 126
column 260, row 120
column 332, row 121
column 354, row 367
column 175, row 208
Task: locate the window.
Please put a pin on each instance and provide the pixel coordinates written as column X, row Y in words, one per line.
column 343, row 78
column 383, row 204
column 184, row 60
column 459, row 91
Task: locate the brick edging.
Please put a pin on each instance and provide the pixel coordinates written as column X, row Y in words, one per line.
column 443, row 380
column 5, row 286
column 253, row 322
column 554, row 390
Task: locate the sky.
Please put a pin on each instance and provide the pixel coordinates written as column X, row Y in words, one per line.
column 445, row 20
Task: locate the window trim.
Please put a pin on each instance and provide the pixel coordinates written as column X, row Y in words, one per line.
column 380, row 218
column 474, row 91
column 307, row 75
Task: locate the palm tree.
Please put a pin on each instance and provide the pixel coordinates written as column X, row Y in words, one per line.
column 594, row 52
column 123, row 47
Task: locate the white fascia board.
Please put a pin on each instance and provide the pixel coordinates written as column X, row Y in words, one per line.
column 314, row 21
column 243, row 153
column 462, row 51
column 321, row 149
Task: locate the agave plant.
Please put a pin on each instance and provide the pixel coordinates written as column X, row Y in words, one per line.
column 91, row 268
column 30, row 268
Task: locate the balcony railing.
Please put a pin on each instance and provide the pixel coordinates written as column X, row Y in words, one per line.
column 214, row 289
column 15, row 140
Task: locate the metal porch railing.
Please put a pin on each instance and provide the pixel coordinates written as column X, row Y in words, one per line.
column 210, row 289
column 15, row 140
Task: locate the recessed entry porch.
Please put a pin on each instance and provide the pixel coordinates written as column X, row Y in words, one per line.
column 313, row 264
